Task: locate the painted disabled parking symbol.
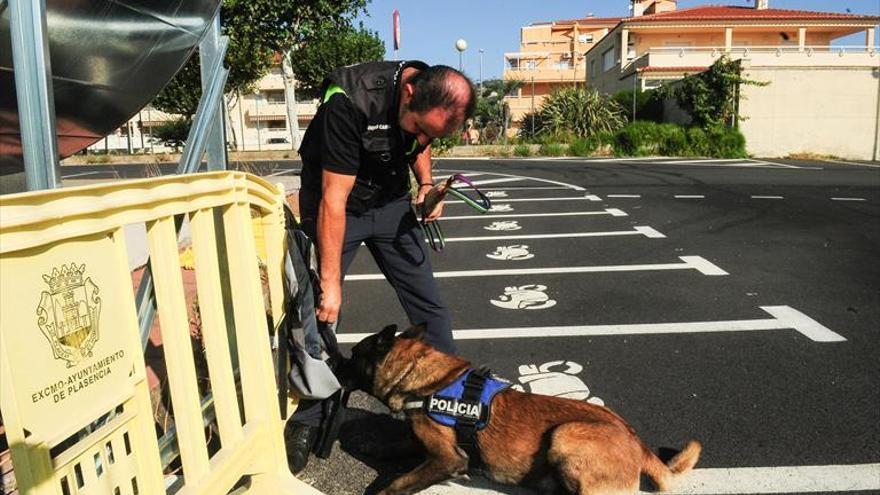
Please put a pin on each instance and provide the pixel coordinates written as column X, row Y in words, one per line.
column 501, row 208
column 517, row 252
column 505, row 225
column 556, row 378
column 524, row 297
column 496, row 194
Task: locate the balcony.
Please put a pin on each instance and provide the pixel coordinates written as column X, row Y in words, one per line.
column 760, row 56
column 278, row 111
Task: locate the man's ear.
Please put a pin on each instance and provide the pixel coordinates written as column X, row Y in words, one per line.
column 415, row 332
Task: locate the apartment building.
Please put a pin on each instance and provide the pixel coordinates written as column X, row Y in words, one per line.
column 660, row 43
column 551, row 55
column 256, row 121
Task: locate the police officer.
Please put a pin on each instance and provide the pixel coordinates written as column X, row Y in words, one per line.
column 375, row 124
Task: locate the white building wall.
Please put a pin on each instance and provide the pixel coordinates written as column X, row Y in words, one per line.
column 824, row 110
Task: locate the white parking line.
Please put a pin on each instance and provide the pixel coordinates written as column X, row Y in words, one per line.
column 698, row 263
column 767, row 197
column 497, row 181
column 783, row 318
column 614, row 212
column 530, row 200
column 87, row 173
column 690, row 196
column 623, row 195
column 721, row 481
column 848, row 199
column 281, row 172
column 520, row 188
column 546, row 181
column 642, row 230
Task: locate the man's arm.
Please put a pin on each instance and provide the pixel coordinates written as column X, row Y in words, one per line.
column 331, row 232
column 422, row 170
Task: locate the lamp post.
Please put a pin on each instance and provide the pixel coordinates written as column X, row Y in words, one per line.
column 481, row 71
column 461, row 46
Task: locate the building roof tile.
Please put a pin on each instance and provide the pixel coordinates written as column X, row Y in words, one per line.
column 741, row 13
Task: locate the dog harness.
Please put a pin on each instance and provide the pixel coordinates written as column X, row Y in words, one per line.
column 464, row 405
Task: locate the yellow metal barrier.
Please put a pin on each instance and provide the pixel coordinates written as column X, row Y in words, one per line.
column 73, row 390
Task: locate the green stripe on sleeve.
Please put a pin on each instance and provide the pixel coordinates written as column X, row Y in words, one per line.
column 332, row 90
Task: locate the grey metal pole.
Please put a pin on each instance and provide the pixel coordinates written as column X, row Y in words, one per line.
column 533, row 107
column 209, row 52
column 33, row 88
column 481, row 71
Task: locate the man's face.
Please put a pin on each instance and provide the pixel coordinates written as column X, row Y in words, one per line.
column 425, row 126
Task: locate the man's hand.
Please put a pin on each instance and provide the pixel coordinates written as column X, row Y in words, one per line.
column 435, row 212
column 331, row 301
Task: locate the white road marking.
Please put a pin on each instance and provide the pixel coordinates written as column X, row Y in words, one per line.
column 87, row 173
column 530, row 200
column 690, row 196
column 783, row 318
column 592, row 197
column 646, row 231
column 623, row 195
column 280, row 172
column 698, row 263
column 767, row 197
column 720, row 481
column 497, row 181
column 848, row 199
column 608, row 211
column 546, row 181
column 520, row 188
column 857, row 164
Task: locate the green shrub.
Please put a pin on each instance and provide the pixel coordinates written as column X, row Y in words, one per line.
column 671, row 140
column 583, row 146
column 697, row 141
column 503, row 151
column 725, row 142
column 551, row 149
column 522, row 150
column 637, row 139
column 441, row 146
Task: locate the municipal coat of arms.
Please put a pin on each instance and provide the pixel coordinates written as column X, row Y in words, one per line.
column 68, row 313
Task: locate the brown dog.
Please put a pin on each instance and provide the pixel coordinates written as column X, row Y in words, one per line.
column 533, row 440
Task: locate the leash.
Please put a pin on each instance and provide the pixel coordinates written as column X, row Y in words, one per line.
column 469, row 194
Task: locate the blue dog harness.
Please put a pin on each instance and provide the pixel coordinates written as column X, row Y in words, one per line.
column 464, row 405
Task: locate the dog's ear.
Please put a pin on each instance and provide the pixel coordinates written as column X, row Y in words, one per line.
column 415, row 332
column 386, row 336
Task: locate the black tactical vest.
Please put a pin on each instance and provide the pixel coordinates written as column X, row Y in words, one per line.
column 373, row 89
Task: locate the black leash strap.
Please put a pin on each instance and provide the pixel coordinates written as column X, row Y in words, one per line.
column 466, row 428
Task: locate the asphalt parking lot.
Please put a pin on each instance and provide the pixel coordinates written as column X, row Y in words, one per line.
column 731, row 301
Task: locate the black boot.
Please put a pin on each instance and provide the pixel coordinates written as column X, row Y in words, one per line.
column 300, row 439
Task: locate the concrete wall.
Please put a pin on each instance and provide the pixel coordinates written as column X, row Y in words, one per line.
column 833, row 111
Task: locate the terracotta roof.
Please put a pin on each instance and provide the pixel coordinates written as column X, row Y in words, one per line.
column 672, row 69
column 740, row 13
column 602, row 21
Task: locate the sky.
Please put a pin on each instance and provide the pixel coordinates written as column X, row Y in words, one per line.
column 430, row 28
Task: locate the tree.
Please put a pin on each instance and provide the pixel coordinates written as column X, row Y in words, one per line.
column 492, row 114
column 712, row 97
column 257, row 30
column 576, row 112
column 333, row 47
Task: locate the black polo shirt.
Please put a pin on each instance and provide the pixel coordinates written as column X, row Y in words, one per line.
column 333, row 142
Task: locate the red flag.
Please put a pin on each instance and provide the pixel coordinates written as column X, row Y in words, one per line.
column 396, row 30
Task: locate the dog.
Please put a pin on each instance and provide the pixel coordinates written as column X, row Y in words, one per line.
column 543, row 442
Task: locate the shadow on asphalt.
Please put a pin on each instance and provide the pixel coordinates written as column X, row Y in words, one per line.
column 381, row 442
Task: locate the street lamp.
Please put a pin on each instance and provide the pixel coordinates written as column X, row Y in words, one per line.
column 481, row 70
column 461, row 46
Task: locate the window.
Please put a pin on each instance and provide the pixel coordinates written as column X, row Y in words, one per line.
column 593, row 68
column 277, row 125
column 563, row 64
column 585, row 38
column 530, row 65
column 274, row 96
column 608, row 62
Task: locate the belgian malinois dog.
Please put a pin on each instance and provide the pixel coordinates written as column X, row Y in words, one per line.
column 546, row 443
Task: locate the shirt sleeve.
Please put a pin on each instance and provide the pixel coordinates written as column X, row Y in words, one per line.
column 340, row 129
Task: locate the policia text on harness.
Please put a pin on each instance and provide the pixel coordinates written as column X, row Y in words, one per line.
column 464, row 405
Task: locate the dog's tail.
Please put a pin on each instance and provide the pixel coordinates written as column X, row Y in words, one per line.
column 664, row 474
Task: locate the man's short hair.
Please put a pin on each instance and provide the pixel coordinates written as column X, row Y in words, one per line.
column 435, row 87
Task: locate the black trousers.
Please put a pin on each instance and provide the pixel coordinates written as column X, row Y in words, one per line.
column 392, row 235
